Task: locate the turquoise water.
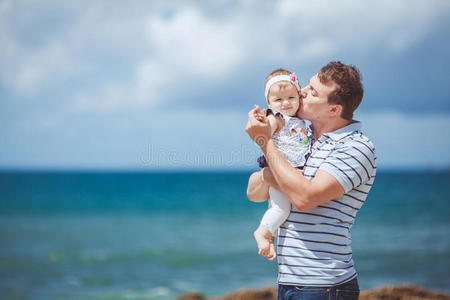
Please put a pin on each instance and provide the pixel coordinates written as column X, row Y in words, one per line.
column 72, row 235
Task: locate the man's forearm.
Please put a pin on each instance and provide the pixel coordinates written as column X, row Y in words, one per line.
column 304, row 194
column 290, row 181
column 258, row 189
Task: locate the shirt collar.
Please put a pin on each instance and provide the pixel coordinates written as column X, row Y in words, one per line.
column 341, row 132
column 344, row 131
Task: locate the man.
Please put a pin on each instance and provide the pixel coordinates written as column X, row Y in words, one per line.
column 314, row 251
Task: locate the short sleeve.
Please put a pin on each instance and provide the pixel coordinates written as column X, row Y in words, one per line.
column 270, row 111
column 351, row 164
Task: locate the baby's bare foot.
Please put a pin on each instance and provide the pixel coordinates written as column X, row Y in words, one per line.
column 265, row 242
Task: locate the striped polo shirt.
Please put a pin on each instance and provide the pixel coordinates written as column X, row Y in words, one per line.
column 314, row 245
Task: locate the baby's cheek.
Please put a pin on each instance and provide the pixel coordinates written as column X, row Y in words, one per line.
column 276, row 106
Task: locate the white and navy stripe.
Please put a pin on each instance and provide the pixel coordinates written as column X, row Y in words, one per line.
column 314, row 246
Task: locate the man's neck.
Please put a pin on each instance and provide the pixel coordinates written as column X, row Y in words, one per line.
column 320, row 128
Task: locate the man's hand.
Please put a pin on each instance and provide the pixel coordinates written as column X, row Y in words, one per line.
column 258, row 127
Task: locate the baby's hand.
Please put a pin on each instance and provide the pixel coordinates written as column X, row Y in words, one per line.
column 259, row 115
column 259, row 118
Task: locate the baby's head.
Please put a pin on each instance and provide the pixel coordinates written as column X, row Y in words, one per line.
column 282, row 92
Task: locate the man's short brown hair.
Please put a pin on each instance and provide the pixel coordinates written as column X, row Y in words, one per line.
column 349, row 91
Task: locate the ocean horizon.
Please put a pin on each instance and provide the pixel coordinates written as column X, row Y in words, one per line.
column 147, row 234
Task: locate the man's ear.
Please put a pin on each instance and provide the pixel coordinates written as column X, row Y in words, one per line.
column 336, row 110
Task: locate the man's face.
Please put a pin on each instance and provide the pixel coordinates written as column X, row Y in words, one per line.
column 315, row 105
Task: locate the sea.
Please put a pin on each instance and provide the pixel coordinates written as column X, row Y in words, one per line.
column 158, row 235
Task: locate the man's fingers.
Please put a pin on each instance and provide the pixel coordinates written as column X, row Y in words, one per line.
column 250, row 123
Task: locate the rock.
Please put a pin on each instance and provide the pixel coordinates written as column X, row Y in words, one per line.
column 192, row 296
column 261, row 294
column 398, row 292
column 402, row 292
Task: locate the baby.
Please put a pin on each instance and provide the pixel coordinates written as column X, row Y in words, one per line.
column 282, row 92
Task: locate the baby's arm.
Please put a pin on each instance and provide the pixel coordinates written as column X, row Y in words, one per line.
column 276, row 123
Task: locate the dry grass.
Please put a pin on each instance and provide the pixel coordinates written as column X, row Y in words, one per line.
column 399, row 292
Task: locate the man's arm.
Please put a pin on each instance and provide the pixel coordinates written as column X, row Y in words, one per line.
column 257, row 189
column 303, row 193
column 350, row 165
column 259, row 184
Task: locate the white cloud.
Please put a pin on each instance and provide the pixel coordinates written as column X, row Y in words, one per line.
column 362, row 25
column 42, row 68
column 123, row 56
column 187, row 43
column 194, row 41
column 124, row 60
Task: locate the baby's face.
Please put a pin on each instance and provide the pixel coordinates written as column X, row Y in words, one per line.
column 284, row 97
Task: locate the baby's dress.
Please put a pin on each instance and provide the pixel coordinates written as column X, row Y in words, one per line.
column 294, row 143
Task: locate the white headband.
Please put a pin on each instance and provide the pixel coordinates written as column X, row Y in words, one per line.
column 292, row 78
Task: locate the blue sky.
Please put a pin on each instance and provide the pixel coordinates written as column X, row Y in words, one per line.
column 168, row 84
